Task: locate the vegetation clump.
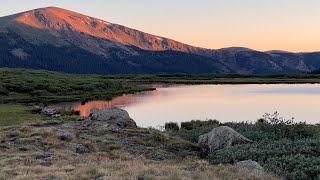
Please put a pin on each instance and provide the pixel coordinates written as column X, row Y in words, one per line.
column 38, row 86
column 171, row 126
column 3, row 91
column 197, row 123
column 281, row 146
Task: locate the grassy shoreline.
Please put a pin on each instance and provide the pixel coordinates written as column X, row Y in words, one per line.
column 39, row 86
column 222, row 79
column 29, row 87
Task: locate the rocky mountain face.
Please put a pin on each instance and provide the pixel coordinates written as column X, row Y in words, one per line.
column 61, row 40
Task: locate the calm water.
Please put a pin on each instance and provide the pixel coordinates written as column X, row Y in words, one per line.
column 223, row 102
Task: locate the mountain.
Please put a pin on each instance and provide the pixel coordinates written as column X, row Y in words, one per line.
column 61, row 40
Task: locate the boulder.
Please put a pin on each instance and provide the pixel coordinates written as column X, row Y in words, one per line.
column 48, row 111
column 219, row 138
column 64, row 135
column 249, row 164
column 94, row 111
column 113, row 117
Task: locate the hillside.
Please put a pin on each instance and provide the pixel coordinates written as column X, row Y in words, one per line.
column 61, row 40
column 72, row 147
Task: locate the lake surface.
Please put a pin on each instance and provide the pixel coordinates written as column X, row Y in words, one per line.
column 225, row 103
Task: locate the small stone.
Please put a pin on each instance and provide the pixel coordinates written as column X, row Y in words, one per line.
column 37, row 137
column 100, row 178
column 36, row 110
column 55, row 178
column 48, row 111
column 64, row 135
column 249, row 164
column 12, row 134
column 141, row 178
column 22, row 149
column 56, row 116
column 78, row 148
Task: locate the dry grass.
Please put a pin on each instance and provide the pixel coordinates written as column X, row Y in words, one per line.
column 90, row 166
column 30, row 157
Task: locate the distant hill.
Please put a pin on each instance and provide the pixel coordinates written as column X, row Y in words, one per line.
column 61, row 40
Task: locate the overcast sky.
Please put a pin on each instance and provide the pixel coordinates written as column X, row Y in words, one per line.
column 292, row 25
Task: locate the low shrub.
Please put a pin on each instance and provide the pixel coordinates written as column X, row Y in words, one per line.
column 274, row 127
column 3, row 91
column 281, row 146
column 171, row 126
column 197, row 123
column 292, row 159
column 193, row 134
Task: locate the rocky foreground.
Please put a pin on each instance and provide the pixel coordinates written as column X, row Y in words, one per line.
column 109, row 145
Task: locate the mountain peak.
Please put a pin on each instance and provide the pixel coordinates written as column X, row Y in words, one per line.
column 61, row 22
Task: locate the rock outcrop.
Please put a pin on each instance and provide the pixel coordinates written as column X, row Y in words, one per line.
column 45, row 111
column 112, row 117
column 219, row 138
column 249, row 164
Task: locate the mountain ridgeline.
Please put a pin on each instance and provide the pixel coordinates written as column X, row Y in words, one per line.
column 61, row 40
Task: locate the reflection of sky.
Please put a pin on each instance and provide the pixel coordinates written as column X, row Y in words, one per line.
column 222, row 102
column 283, row 89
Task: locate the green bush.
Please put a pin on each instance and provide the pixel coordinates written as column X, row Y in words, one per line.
column 271, row 126
column 281, row 146
column 171, row 126
column 3, row 91
column 197, row 123
column 292, row 159
column 193, row 134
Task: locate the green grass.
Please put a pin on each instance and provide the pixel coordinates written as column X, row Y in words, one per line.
column 37, row 86
column 15, row 114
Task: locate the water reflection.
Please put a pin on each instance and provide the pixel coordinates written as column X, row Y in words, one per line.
column 222, row 102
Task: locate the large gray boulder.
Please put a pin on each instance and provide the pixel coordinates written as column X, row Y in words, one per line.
column 113, row 117
column 219, row 138
column 249, row 164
